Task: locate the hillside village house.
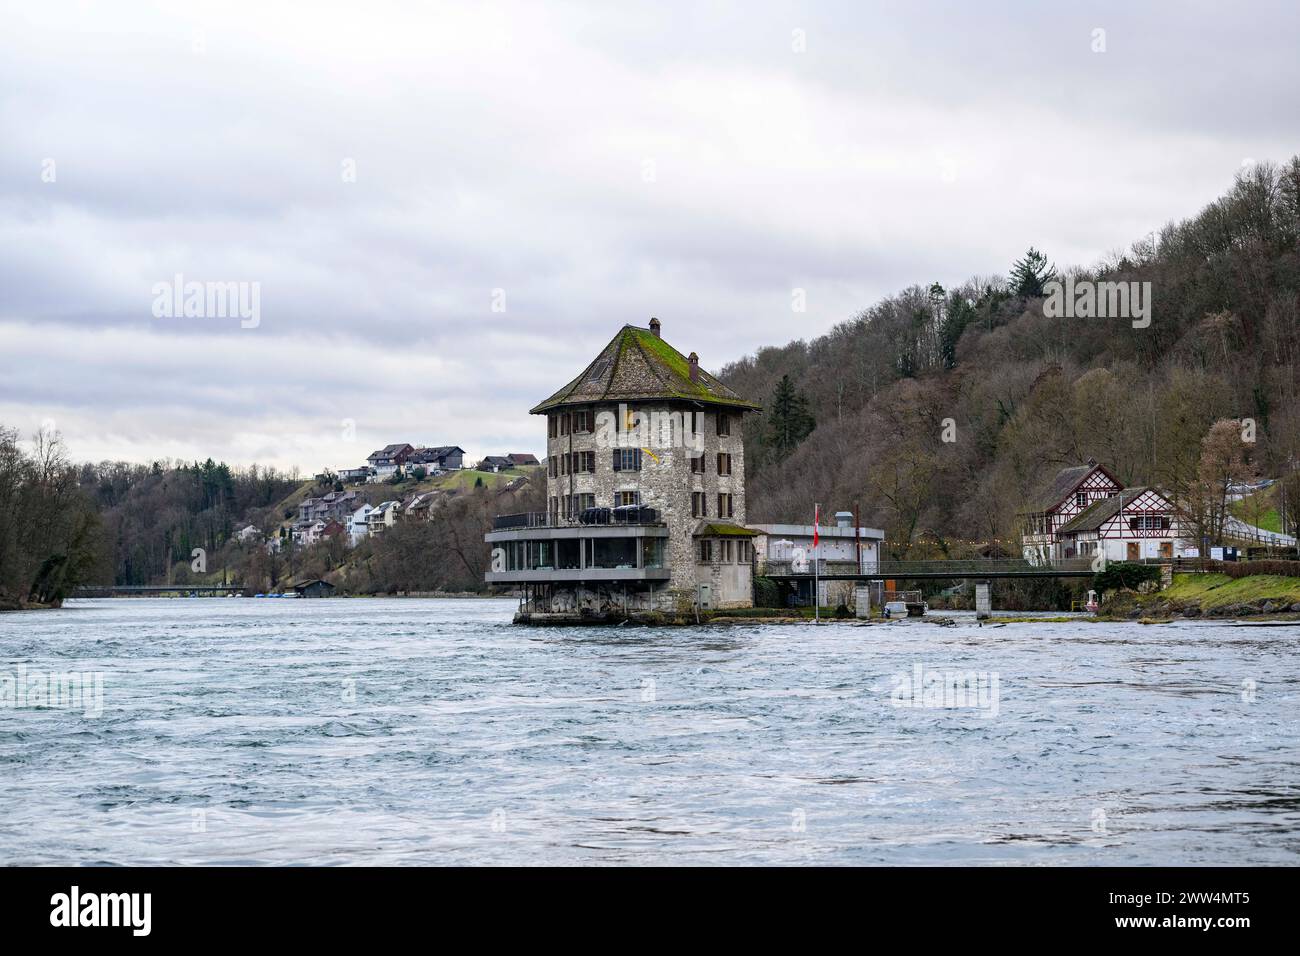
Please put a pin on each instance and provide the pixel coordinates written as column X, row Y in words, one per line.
column 382, row 517
column 417, row 507
column 388, row 460
column 404, row 457
column 645, row 492
column 841, row 549
column 336, row 505
column 442, row 458
column 315, row 513
column 495, row 463
column 1085, row 510
column 307, row 533
column 357, row 526
column 331, row 529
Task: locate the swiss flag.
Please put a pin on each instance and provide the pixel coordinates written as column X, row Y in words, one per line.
column 817, row 513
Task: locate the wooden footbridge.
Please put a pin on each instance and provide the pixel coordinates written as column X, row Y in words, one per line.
column 982, row 569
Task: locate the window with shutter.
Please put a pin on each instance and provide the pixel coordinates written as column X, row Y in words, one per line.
column 627, row 459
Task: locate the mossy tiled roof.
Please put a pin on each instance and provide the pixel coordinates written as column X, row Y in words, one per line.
column 1065, row 482
column 639, row 366
column 722, row 529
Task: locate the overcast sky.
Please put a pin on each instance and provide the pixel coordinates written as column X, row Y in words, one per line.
column 393, row 176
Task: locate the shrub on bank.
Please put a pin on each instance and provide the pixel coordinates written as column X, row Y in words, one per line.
column 1124, row 576
column 766, row 592
column 1244, row 569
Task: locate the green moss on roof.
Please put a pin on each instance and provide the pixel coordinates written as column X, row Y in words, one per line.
column 662, row 351
column 723, row 530
column 637, row 365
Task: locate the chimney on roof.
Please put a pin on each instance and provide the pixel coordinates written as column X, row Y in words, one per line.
column 655, row 326
column 695, row 366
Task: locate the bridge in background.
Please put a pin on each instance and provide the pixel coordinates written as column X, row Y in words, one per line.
column 930, row 570
column 156, row 590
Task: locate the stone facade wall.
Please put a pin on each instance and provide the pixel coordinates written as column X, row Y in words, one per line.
column 665, row 482
column 730, row 584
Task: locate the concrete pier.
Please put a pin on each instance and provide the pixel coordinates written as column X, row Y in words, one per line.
column 862, row 601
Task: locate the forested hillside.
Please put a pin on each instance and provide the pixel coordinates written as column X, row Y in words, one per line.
column 155, row 515
column 1019, row 395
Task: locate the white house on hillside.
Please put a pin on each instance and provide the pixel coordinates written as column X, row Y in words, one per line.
column 382, row 517
column 357, row 527
column 308, row 533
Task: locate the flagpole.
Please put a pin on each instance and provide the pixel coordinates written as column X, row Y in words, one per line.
column 817, row 587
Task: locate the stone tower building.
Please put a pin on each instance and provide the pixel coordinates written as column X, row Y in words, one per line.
column 645, row 464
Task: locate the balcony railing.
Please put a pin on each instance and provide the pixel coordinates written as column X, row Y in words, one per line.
column 591, row 517
column 821, row 565
column 526, row 519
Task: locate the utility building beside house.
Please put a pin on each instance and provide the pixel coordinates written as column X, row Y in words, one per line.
column 645, row 480
column 784, row 549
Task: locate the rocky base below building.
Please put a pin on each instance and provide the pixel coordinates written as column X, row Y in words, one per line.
column 606, row 618
column 747, row 615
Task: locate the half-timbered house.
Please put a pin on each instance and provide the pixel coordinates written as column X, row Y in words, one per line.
column 1133, row 525
column 1073, row 491
column 1085, row 510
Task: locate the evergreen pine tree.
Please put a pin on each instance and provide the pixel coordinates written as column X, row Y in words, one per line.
column 1030, row 273
column 789, row 421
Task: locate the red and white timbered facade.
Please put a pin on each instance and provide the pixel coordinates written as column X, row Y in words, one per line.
column 1088, row 511
column 1136, row 524
column 1072, row 492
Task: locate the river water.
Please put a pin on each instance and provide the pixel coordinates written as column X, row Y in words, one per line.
column 435, row 732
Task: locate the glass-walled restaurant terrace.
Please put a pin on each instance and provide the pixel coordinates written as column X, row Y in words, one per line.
column 577, row 554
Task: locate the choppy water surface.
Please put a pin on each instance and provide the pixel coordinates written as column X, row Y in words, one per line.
column 420, row 731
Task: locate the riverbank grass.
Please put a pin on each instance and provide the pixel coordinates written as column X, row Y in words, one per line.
column 1219, row 590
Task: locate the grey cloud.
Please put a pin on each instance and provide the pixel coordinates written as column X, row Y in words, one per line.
column 505, row 146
